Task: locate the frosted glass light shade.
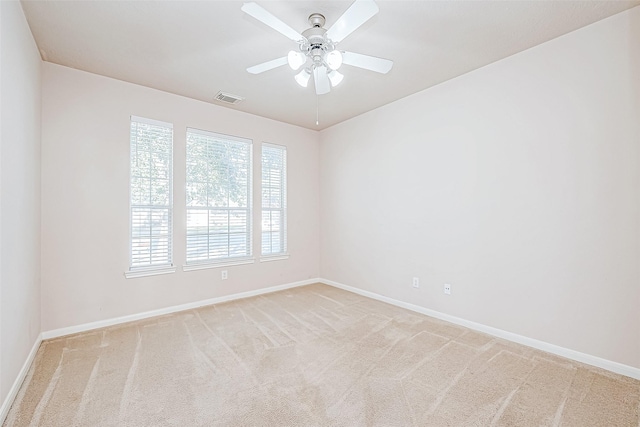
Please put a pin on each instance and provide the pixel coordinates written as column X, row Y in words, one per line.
column 296, row 59
column 335, row 78
column 334, row 59
column 303, row 78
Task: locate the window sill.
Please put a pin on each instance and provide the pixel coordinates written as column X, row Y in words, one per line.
column 228, row 263
column 279, row 257
column 132, row 274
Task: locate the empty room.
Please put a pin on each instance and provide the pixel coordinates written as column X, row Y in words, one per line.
column 320, row 213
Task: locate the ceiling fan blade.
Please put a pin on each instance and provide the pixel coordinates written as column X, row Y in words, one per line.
column 379, row 65
column 357, row 14
column 258, row 12
column 266, row 66
column 321, row 80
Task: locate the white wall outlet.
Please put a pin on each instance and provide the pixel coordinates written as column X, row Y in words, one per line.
column 416, row 282
column 225, row 276
column 447, row 289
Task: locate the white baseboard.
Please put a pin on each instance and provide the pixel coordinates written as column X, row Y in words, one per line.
column 167, row 310
column 588, row 359
column 13, row 391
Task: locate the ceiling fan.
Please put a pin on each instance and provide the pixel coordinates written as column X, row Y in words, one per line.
column 317, row 52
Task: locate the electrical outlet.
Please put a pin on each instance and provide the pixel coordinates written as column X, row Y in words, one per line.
column 225, row 276
column 416, row 282
column 447, row 289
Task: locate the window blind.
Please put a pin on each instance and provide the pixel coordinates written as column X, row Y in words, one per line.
column 218, row 197
column 151, row 193
column 274, row 199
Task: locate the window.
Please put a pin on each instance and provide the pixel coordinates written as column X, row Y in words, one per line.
column 151, row 198
column 218, row 198
column 274, row 200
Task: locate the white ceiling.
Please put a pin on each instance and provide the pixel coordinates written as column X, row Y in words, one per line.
column 197, row 48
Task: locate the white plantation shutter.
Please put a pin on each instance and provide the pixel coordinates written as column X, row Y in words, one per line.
column 274, row 199
column 218, row 197
column 151, row 193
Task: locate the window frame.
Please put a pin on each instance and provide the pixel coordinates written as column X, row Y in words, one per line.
column 228, row 260
column 283, row 253
column 151, row 269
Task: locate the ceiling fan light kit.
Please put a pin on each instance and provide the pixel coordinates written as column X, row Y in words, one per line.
column 303, row 77
column 334, row 59
column 317, row 51
column 296, row 59
column 335, row 77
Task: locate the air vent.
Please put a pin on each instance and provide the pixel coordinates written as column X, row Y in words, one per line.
column 228, row 98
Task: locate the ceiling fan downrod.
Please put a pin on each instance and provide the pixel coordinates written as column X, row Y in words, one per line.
column 317, row 20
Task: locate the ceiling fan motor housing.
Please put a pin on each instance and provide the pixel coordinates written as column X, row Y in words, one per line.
column 315, row 36
column 316, row 44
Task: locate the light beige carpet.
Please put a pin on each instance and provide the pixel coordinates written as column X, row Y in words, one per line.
column 311, row 356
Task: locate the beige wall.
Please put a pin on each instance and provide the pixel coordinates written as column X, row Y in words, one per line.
column 20, row 69
column 85, row 199
column 518, row 184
